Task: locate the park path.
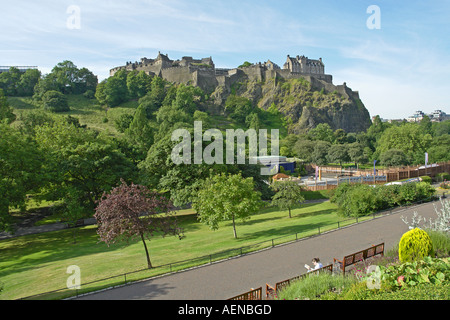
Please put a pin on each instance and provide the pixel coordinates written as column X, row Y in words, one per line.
column 226, row 279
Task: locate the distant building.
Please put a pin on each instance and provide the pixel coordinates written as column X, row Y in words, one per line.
column 276, row 162
column 439, row 115
column 416, row 117
column 435, row 116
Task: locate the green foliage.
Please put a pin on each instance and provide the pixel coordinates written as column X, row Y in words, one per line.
column 224, row 197
column 434, row 271
column 55, row 101
column 393, row 158
column 6, row 112
column 426, row 179
column 314, row 286
column 409, row 138
column 288, row 194
column 123, row 122
column 78, row 159
column 441, row 243
column 66, row 78
column 443, row 177
column 114, row 90
column 356, row 200
column 245, row 64
column 238, row 108
column 415, row 245
column 20, row 171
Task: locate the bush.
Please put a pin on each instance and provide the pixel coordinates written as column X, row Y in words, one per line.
column 440, row 177
column 415, row 245
column 435, row 271
column 314, row 286
column 359, row 199
column 425, row 291
column 55, row 101
column 426, row 179
column 441, row 243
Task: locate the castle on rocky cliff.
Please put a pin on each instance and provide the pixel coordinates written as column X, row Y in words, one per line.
column 204, row 74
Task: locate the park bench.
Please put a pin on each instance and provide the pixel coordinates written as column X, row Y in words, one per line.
column 270, row 291
column 359, row 256
column 254, row 294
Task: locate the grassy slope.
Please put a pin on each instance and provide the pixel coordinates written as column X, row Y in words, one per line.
column 88, row 111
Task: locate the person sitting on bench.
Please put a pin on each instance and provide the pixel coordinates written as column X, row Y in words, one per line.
column 317, row 265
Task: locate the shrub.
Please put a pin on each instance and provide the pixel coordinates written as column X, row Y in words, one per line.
column 426, row 179
column 314, row 286
column 435, row 271
column 425, row 291
column 55, row 101
column 360, row 199
column 440, row 177
column 441, row 243
column 414, row 245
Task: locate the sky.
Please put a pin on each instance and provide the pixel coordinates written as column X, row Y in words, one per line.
column 397, row 56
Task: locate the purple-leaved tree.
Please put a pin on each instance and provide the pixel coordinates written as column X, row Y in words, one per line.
column 133, row 211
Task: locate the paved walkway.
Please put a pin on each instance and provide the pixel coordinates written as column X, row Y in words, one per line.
column 235, row 276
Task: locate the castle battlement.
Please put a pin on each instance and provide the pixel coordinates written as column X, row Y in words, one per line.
column 203, row 73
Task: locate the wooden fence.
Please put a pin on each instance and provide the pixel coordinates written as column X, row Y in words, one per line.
column 382, row 175
column 254, row 294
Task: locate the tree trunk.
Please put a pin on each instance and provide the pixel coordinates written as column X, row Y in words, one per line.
column 234, row 228
column 290, row 213
column 146, row 252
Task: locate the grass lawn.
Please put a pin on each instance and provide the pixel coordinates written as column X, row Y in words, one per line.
column 88, row 111
column 38, row 263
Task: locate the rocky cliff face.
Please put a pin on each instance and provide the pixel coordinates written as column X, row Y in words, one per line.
column 306, row 101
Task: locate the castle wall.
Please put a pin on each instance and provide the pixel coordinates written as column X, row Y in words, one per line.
column 178, row 75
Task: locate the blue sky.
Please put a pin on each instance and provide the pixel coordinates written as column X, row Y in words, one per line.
column 402, row 67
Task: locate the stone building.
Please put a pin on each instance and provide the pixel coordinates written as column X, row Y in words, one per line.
column 204, row 74
column 302, row 64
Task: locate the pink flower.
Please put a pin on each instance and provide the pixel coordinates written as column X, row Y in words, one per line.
column 400, row 280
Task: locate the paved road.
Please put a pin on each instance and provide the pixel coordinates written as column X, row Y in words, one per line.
column 232, row 277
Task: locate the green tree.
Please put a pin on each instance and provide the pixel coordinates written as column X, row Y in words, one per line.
column 123, row 122
column 28, row 81
column 77, row 158
column 113, row 91
column 439, row 150
column 340, row 136
column 356, row 153
column 409, row 138
column 238, row 108
column 140, row 131
column 9, row 81
column 138, row 84
column 322, row 132
column 6, row 112
column 288, row 195
column 338, row 153
column 55, row 101
column 224, row 197
column 188, row 98
column 252, row 121
column 394, row 158
column 20, row 171
column 319, row 155
column 304, row 149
